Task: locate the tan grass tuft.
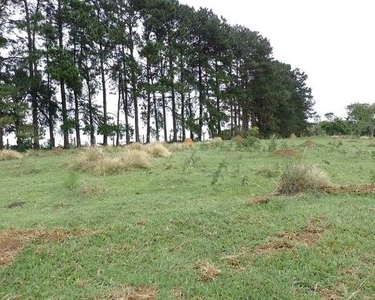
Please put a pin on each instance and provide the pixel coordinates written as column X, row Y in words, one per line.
column 293, row 136
column 135, row 146
column 216, row 141
column 177, row 147
column 302, row 178
column 158, row 150
column 209, row 272
column 9, row 155
column 96, row 161
column 238, row 138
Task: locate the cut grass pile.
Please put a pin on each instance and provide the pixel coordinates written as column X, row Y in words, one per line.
column 9, row 155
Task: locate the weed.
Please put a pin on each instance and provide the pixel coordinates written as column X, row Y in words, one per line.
column 251, row 142
column 216, row 176
column 72, row 181
column 373, row 154
column 191, row 161
column 272, row 146
column 266, row 172
column 245, row 181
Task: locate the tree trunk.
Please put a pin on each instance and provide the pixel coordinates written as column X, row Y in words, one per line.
column 148, row 117
column 171, row 78
column 201, row 98
column 1, row 138
column 105, row 135
column 76, row 117
column 118, row 112
column 156, row 116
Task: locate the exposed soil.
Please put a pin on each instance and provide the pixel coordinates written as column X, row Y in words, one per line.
column 329, row 294
column 288, row 153
column 131, row 293
column 293, row 136
column 366, row 189
column 288, row 240
column 209, row 272
column 309, row 144
column 261, row 200
column 12, row 240
column 188, row 142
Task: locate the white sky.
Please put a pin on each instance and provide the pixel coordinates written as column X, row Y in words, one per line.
column 333, row 41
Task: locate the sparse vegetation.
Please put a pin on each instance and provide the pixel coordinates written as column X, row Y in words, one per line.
column 182, row 236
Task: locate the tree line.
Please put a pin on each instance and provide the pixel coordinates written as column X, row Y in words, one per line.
column 166, row 66
column 360, row 121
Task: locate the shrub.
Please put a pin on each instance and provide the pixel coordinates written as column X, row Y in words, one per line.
column 251, row 142
column 9, row 155
column 254, row 131
column 302, row 178
column 158, row 150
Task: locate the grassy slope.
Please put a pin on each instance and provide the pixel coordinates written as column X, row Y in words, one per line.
column 154, row 226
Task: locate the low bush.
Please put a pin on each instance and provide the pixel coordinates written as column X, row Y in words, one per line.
column 9, row 155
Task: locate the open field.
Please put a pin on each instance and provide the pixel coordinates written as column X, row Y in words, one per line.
column 194, row 225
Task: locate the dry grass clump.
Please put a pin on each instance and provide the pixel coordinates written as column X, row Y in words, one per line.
column 209, row 272
column 293, row 136
column 135, row 146
column 302, row 178
column 158, row 150
column 133, row 160
column 216, row 141
column 96, row 161
column 238, row 138
column 9, row 155
column 177, row 147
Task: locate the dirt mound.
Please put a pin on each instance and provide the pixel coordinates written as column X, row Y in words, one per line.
column 12, row 240
column 258, row 201
column 188, row 142
column 288, row 153
column 293, row 136
column 309, row 144
column 366, row 189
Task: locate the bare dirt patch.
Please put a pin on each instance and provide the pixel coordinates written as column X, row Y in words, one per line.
column 287, row 241
column 131, row 293
column 209, row 272
column 12, row 241
column 329, row 294
column 261, row 200
column 178, row 293
column 310, row 144
column 366, row 189
column 288, row 153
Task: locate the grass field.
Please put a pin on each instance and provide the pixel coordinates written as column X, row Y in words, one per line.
column 189, row 227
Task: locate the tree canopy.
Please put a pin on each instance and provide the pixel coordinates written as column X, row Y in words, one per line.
column 168, row 70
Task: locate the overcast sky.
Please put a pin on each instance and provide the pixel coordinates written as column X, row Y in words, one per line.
column 333, row 41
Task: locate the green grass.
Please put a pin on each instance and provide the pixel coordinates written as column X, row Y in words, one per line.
column 151, row 227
